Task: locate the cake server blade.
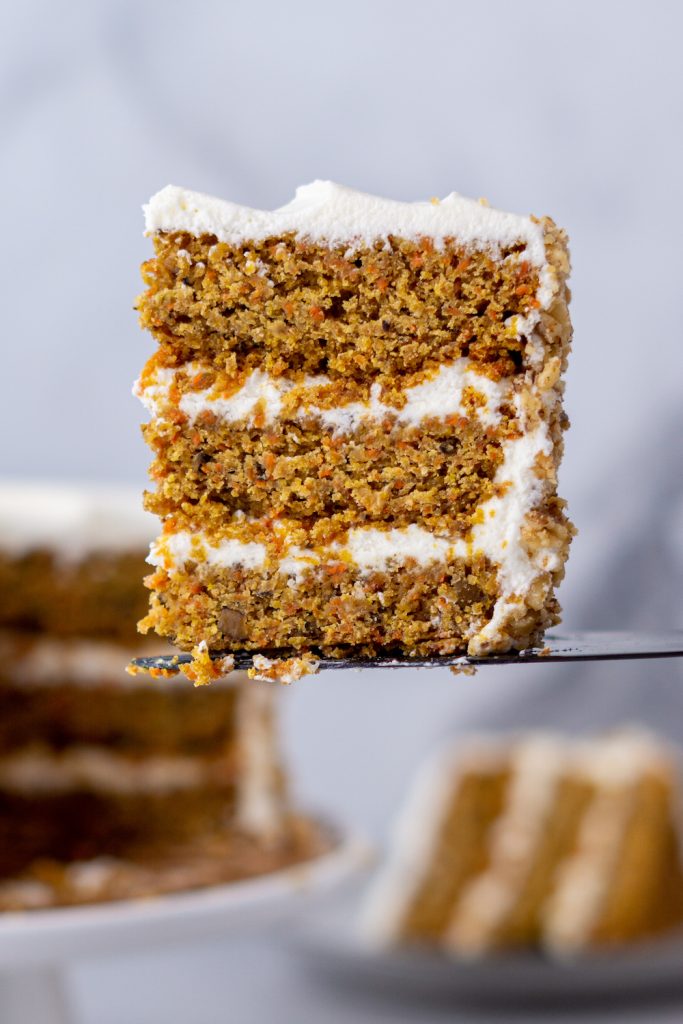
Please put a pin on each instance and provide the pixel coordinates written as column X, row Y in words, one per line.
column 584, row 645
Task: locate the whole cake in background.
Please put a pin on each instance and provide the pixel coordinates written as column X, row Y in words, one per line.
column 535, row 840
column 111, row 785
column 357, row 423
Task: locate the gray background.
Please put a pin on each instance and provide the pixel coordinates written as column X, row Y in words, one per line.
column 569, row 109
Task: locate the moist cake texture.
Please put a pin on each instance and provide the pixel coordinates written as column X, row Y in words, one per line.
column 356, row 423
column 535, row 841
column 110, row 785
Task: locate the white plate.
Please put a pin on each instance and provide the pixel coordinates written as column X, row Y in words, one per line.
column 35, row 945
column 331, row 946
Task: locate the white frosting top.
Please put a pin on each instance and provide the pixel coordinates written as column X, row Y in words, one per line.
column 323, row 211
column 72, row 520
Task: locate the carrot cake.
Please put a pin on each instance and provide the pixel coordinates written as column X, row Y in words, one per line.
column 110, row 785
column 535, row 841
column 356, row 423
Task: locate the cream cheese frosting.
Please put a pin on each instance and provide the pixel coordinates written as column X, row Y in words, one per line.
column 38, row 770
column 367, row 548
column 436, row 397
column 325, row 211
column 72, row 520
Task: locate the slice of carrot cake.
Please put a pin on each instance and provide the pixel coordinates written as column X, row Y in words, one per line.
column 535, row 841
column 356, row 423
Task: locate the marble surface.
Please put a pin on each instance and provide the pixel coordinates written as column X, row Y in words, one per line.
column 571, row 109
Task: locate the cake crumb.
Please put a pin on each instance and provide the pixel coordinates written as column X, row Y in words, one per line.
column 155, row 671
column 203, row 669
column 462, row 667
column 282, row 670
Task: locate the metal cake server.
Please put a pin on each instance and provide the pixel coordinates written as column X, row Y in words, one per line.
column 585, row 645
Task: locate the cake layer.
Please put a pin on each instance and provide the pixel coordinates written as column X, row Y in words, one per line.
column 71, row 559
column 379, row 475
column 436, row 607
column 363, row 460
column 360, row 305
column 42, row 684
column 99, row 595
column 79, row 825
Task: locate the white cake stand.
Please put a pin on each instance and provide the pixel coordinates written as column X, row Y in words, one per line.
column 37, row 946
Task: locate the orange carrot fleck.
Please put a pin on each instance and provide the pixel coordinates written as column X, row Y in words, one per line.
column 337, row 569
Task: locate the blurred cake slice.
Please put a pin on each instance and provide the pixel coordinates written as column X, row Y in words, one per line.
column 356, row 423
column 580, row 848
